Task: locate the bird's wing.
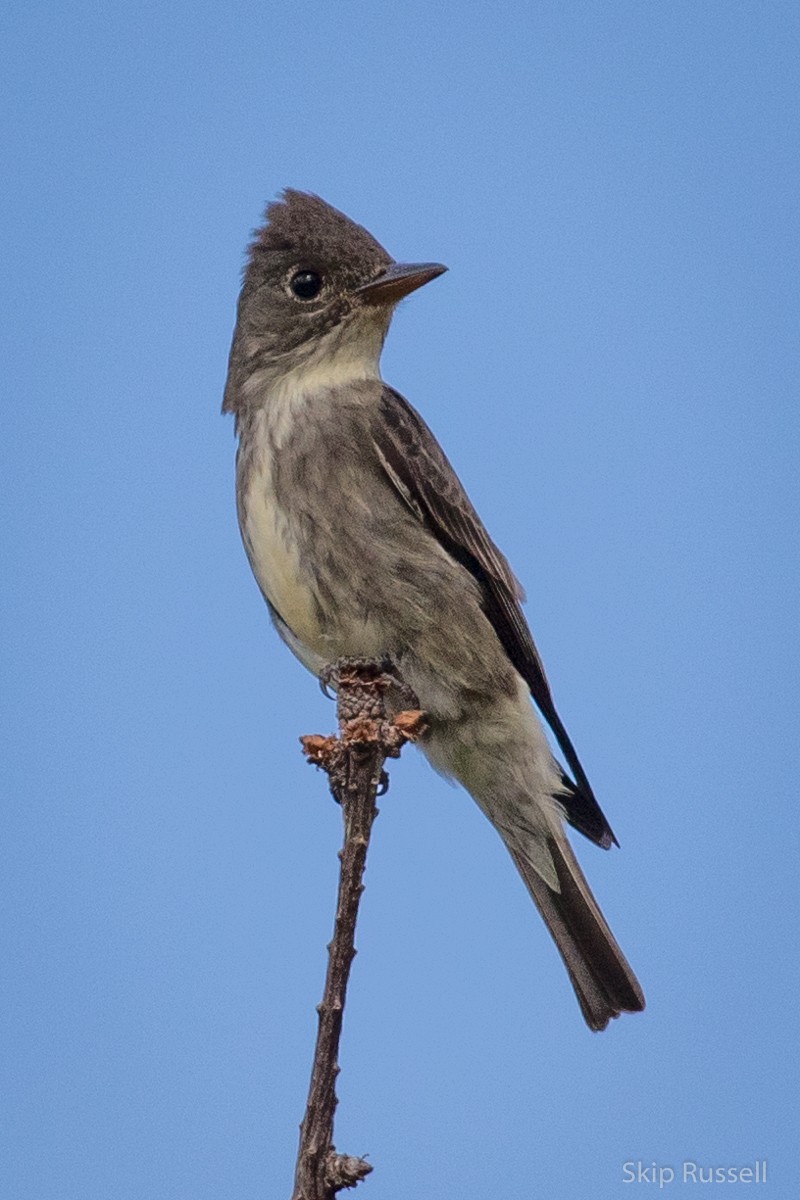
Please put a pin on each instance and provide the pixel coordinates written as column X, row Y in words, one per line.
column 422, row 475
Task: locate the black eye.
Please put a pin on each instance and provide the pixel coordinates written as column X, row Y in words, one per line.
column 306, row 284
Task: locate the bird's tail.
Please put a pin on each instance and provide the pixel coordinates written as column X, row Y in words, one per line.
column 603, row 979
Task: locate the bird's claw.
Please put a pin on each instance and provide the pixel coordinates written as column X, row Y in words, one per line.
column 327, row 677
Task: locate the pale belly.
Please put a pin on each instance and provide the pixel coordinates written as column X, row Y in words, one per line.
column 275, row 558
column 287, row 580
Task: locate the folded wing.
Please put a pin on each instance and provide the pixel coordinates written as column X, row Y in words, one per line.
column 418, row 468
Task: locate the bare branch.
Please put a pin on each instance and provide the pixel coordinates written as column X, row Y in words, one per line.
column 354, row 764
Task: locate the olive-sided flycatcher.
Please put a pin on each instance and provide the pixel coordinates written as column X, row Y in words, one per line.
column 365, row 545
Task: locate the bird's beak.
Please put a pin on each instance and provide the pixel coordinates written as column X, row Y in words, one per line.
column 397, row 281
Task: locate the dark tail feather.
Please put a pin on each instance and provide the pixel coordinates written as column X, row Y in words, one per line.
column 601, row 975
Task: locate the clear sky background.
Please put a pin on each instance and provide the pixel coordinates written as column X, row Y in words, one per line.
column 612, row 365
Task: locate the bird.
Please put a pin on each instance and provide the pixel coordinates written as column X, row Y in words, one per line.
column 365, row 545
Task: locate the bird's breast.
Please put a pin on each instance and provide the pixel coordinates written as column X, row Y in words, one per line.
column 273, row 544
column 327, row 550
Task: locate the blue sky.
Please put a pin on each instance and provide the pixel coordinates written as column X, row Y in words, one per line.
column 612, row 365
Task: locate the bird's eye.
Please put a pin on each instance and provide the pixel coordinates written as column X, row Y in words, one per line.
column 306, row 285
